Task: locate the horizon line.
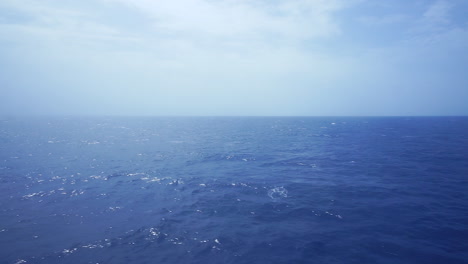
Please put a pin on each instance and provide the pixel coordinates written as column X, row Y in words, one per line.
column 210, row 116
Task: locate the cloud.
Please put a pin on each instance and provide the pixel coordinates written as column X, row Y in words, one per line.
column 435, row 18
column 241, row 19
column 241, row 57
column 47, row 23
column 438, row 12
column 177, row 34
column 377, row 21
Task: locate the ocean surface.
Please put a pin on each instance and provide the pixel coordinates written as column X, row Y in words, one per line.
column 234, row 190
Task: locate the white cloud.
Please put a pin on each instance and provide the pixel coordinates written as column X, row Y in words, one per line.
column 51, row 25
column 236, row 52
column 436, row 18
column 377, row 21
column 181, row 33
column 438, row 12
column 241, row 19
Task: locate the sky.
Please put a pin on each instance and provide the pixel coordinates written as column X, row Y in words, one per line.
column 234, row 57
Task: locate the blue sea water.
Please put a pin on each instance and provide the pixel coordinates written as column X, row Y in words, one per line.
column 234, row 190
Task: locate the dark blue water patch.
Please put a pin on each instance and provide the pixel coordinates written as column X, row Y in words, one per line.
column 233, row 190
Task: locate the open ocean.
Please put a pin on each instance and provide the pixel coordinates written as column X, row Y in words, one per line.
column 234, row 190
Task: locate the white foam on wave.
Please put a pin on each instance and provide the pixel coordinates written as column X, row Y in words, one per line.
column 278, row 192
column 149, row 179
column 335, row 215
column 76, row 192
column 136, row 174
column 154, row 232
column 114, row 208
column 69, row 251
column 176, row 182
column 91, row 246
column 40, row 194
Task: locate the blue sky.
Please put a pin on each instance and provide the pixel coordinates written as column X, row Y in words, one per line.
column 234, row 57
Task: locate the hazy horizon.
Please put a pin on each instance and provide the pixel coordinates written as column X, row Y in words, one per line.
column 233, row 58
column 220, row 116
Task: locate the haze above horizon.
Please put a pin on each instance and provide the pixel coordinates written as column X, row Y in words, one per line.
column 234, row 58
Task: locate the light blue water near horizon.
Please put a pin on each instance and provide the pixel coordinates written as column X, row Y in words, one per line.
column 234, row 190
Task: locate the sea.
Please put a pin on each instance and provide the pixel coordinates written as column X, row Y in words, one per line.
column 233, row 190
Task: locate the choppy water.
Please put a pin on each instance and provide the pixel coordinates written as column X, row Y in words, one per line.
column 234, row 190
